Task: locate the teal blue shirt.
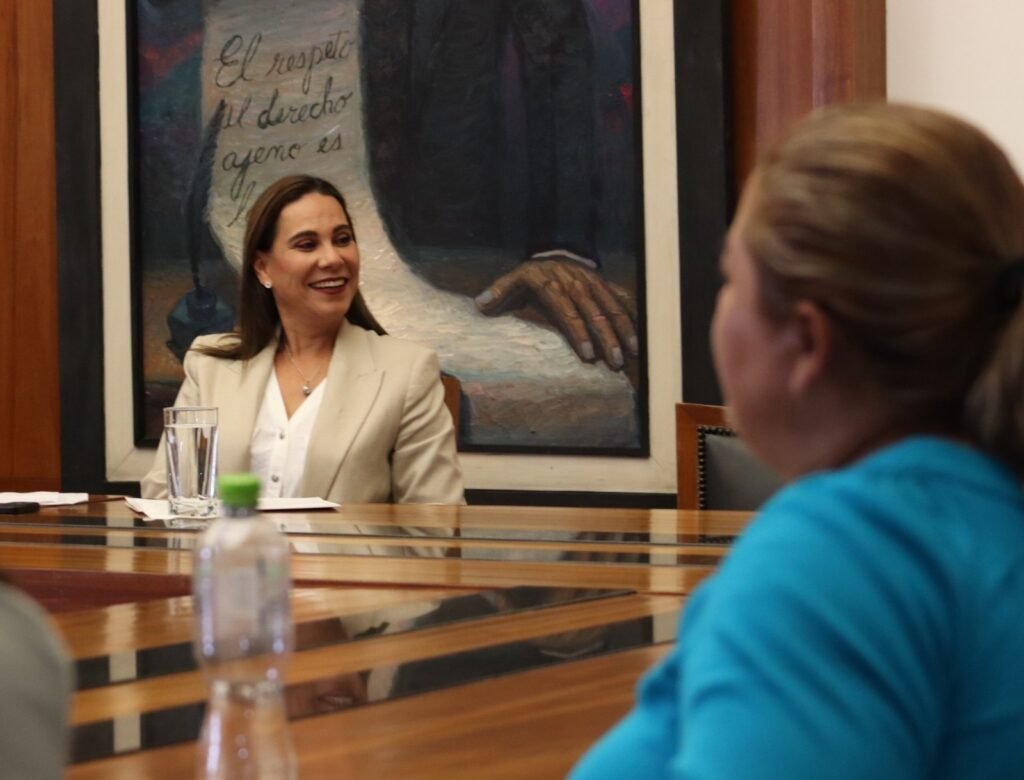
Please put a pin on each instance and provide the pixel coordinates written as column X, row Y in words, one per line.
column 869, row 624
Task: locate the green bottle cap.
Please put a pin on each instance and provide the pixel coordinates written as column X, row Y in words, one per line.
column 238, row 490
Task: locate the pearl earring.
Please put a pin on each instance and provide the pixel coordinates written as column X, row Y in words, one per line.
column 267, row 285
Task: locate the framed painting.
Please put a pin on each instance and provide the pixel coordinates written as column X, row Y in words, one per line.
column 490, row 156
column 133, row 288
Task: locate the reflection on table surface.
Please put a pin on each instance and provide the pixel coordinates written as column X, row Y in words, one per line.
column 509, row 617
column 555, row 546
column 535, row 524
column 317, row 686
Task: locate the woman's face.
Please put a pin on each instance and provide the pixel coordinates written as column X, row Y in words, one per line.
column 313, row 264
column 752, row 352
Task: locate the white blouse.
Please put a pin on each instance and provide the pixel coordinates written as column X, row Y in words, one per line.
column 277, row 450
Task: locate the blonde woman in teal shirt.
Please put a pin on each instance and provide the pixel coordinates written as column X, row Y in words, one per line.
column 869, row 339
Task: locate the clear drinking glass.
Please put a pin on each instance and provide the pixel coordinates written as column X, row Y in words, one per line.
column 191, row 440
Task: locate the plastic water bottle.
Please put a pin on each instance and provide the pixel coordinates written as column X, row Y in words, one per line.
column 242, row 640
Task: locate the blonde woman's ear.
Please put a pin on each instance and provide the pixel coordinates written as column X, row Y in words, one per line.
column 811, row 332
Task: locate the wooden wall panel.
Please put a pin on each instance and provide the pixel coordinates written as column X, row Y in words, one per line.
column 8, row 138
column 29, row 374
column 790, row 56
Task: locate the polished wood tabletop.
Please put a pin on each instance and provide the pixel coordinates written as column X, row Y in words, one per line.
column 501, row 637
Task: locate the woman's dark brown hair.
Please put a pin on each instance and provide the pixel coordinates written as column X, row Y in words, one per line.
column 258, row 318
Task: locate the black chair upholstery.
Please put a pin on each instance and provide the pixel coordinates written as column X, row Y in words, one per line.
column 729, row 477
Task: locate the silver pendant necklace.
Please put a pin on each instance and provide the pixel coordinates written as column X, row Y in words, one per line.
column 307, row 381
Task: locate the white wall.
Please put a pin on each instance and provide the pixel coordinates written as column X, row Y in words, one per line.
column 964, row 56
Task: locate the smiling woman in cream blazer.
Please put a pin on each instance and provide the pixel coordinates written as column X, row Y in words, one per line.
column 383, row 433
column 377, row 429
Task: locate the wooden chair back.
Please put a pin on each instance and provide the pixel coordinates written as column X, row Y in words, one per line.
column 689, row 417
column 714, row 468
column 453, row 400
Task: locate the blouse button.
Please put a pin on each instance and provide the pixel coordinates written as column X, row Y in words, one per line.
column 280, row 435
column 275, row 478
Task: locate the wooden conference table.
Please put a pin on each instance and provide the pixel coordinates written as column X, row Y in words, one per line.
column 505, row 655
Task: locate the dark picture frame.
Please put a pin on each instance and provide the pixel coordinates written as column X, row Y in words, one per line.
column 701, row 31
column 705, row 179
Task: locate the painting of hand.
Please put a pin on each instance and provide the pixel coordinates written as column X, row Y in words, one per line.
column 597, row 317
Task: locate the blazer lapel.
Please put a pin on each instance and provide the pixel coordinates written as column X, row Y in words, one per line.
column 353, row 382
column 239, row 404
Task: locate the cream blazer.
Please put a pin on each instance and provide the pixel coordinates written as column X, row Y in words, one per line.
column 382, row 435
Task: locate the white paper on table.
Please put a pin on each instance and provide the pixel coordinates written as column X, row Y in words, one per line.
column 160, row 509
column 152, row 508
column 294, row 504
column 46, row 498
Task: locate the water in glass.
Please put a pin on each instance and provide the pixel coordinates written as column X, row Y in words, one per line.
column 191, row 462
